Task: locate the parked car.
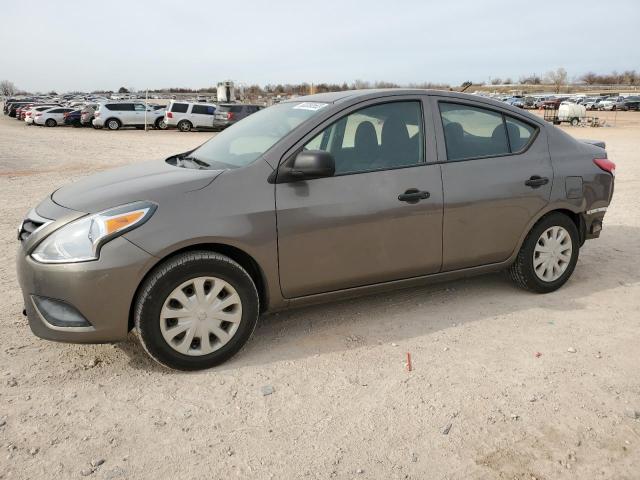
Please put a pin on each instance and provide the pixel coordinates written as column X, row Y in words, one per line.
column 51, row 117
column 630, row 105
column 529, row 102
column 229, row 113
column 86, row 115
column 31, row 113
column 13, row 108
column 313, row 199
column 73, row 118
column 188, row 115
column 553, row 103
column 22, row 110
column 539, row 103
column 609, row 103
column 515, row 102
column 115, row 115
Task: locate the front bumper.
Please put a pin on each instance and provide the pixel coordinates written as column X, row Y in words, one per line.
column 101, row 291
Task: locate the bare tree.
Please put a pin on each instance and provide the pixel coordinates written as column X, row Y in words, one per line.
column 7, row 88
column 532, row 79
column 589, row 78
column 360, row 85
column 496, row 81
column 557, row 78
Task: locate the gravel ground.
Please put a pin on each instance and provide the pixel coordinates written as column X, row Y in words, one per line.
column 505, row 384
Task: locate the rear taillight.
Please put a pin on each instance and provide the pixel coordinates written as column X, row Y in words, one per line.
column 96, row 114
column 169, row 115
column 606, row 165
column 38, row 114
column 229, row 115
column 66, row 114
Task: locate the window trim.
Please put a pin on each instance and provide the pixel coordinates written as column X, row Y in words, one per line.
column 493, row 109
column 287, row 158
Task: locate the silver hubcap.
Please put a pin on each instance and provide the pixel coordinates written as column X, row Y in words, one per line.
column 200, row 316
column 552, row 254
column 113, row 125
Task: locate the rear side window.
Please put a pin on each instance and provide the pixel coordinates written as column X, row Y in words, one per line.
column 180, row 107
column 202, row 109
column 472, row 132
column 120, row 107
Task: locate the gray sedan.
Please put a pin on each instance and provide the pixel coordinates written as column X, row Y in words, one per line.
column 315, row 199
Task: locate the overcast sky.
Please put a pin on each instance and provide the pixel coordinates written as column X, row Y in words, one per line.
column 87, row 45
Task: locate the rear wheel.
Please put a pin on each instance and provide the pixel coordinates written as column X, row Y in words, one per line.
column 196, row 310
column 113, row 124
column 185, row 126
column 575, row 121
column 548, row 255
column 51, row 122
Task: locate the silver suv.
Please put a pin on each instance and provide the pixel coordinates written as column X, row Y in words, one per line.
column 115, row 115
column 314, row 199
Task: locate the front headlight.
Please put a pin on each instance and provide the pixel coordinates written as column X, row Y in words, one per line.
column 81, row 240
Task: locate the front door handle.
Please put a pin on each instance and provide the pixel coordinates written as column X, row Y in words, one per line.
column 536, row 181
column 413, row 195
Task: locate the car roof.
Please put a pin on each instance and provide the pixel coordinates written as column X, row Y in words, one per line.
column 361, row 95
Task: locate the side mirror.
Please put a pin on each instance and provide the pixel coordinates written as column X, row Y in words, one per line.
column 309, row 164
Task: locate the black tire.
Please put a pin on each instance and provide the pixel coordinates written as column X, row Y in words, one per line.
column 185, row 126
column 522, row 271
column 170, row 274
column 575, row 121
column 51, row 122
column 113, row 124
column 160, row 124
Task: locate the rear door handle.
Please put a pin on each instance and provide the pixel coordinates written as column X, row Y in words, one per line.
column 413, row 195
column 536, row 181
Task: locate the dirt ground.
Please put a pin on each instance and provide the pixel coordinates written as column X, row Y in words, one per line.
column 494, row 391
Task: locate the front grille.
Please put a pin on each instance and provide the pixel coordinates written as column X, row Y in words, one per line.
column 30, row 224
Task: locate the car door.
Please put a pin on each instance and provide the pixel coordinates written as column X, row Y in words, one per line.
column 202, row 115
column 379, row 218
column 497, row 175
column 139, row 113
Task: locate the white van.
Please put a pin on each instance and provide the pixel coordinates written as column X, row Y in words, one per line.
column 188, row 115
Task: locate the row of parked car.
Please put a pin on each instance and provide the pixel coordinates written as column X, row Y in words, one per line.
column 114, row 115
column 590, row 103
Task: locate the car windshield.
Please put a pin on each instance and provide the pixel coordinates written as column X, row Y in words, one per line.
column 247, row 140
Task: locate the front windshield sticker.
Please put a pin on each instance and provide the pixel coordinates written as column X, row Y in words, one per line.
column 313, row 106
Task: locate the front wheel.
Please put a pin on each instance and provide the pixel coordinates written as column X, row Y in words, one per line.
column 161, row 124
column 51, row 122
column 548, row 255
column 575, row 122
column 196, row 310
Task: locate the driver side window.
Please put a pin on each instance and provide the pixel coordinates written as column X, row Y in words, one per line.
column 380, row 137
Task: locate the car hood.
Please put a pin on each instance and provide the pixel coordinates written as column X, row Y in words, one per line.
column 143, row 181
